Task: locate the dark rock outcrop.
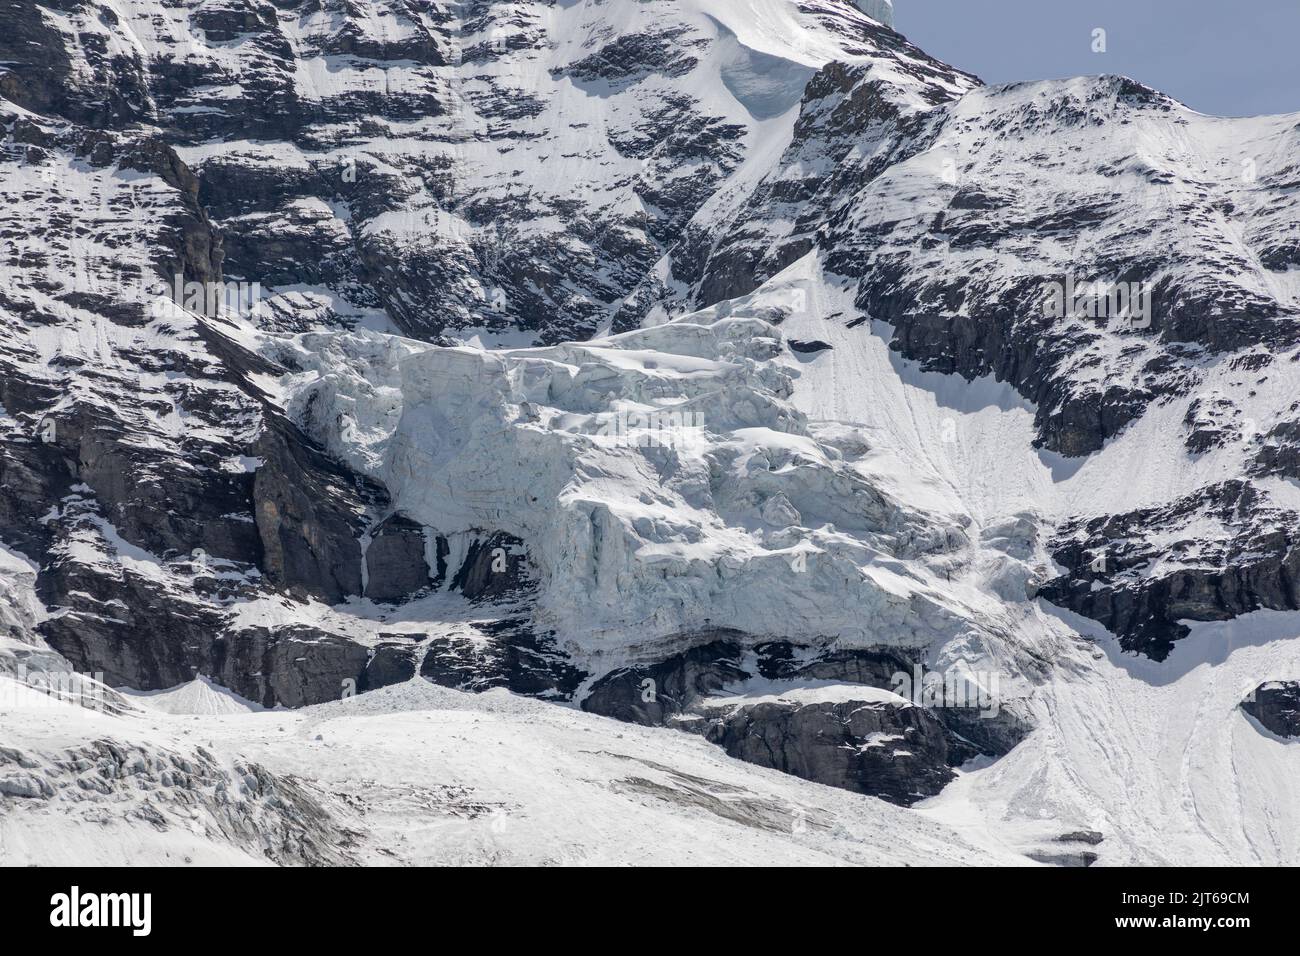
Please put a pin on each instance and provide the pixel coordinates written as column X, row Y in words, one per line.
column 1252, row 564
column 898, row 752
column 507, row 653
column 810, row 347
column 653, row 693
column 294, row 665
column 1276, row 705
column 396, row 567
column 496, row 566
column 886, row 747
column 308, row 518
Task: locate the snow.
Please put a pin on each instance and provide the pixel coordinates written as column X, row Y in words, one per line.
column 1158, row 757
column 660, row 480
column 428, row 776
column 844, row 497
column 200, row 697
column 812, row 692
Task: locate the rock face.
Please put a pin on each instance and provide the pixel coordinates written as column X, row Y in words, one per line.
column 827, row 717
column 396, row 565
column 292, row 665
column 1276, row 705
column 310, row 521
column 1250, row 561
column 506, row 653
column 588, row 438
column 897, row 752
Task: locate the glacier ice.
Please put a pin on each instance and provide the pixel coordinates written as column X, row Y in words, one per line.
column 661, row 480
column 880, row 10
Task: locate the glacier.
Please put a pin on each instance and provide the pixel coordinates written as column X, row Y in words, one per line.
column 679, row 361
column 880, row 10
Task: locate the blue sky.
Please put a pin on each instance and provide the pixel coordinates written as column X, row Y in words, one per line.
column 1231, row 58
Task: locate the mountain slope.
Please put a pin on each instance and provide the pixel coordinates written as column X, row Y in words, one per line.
column 422, row 775
column 686, row 362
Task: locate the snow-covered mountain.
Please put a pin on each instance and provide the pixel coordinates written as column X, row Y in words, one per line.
column 705, row 365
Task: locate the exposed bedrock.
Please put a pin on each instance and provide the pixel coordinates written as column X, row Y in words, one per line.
column 787, row 706
column 898, row 752
column 309, row 519
column 155, row 631
column 141, row 633
column 1276, row 705
column 1142, row 573
column 507, row 653
column 149, row 626
column 396, row 566
column 295, row 665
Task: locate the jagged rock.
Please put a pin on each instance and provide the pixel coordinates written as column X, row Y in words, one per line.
column 295, row 665
column 875, row 743
column 137, row 634
column 505, row 653
column 1211, row 424
column 1114, row 576
column 1279, row 452
column 1276, row 705
column 494, row 567
column 131, row 628
column 652, row 693
column 308, row 517
column 396, row 567
column 971, row 730
column 895, row 751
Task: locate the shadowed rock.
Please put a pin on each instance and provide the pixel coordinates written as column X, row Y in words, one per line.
column 1276, row 705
